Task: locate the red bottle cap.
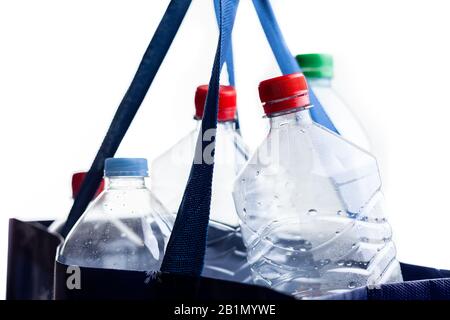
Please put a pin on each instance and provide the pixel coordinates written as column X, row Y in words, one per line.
column 77, row 180
column 284, row 93
column 227, row 102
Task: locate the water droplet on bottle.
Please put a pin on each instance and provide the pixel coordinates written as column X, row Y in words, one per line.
column 245, row 210
column 312, row 212
column 257, row 173
column 276, row 196
column 258, row 203
column 340, row 263
column 339, row 212
column 352, row 285
column 324, row 262
column 303, row 249
column 353, row 245
column 316, row 268
column 364, row 239
column 337, row 232
column 363, row 264
column 349, row 263
column 243, row 180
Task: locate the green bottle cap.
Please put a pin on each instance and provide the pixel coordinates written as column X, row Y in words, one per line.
column 316, row 65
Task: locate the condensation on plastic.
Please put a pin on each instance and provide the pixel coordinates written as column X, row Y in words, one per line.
column 125, row 228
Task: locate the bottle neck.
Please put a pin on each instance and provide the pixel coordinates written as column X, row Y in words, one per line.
column 229, row 125
column 126, row 182
column 300, row 117
column 320, row 82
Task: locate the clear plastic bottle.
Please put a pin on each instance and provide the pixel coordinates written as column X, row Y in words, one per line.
column 310, row 204
column 225, row 255
column 318, row 69
column 77, row 181
column 126, row 227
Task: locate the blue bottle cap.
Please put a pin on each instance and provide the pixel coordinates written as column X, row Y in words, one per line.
column 126, row 167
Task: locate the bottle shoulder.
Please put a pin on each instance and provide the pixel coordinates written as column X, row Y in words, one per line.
column 317, row 139
column 183, row 148
column 121, row 204
column 311, row 161
column 343, row 116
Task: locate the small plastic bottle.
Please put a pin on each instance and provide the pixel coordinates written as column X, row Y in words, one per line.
column 125, row 228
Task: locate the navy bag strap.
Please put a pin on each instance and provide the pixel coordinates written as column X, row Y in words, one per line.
column 285, row 59
column 186, row 248
column 151, row 61
column 229, row 61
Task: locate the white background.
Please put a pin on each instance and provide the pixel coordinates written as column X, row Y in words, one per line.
column 65, row 65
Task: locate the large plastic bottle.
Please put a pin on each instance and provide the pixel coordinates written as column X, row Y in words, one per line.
column 318, row 69
column 225, row 255
column 310, row 204
column 126, row 227
column 77, row 181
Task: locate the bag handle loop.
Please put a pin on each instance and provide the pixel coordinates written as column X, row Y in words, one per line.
column 149, row 66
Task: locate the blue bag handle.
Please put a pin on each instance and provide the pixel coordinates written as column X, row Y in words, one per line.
column 151, row 61
column 229, row 61
column 186, row 248
column 285, row 59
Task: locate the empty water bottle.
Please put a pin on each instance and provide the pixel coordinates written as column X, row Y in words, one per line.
column 318, row 69
column 77, row 181
column 126, row 227
column 225, row 255
column 310, row 204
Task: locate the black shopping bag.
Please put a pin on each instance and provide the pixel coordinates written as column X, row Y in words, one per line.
column 31, row 259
